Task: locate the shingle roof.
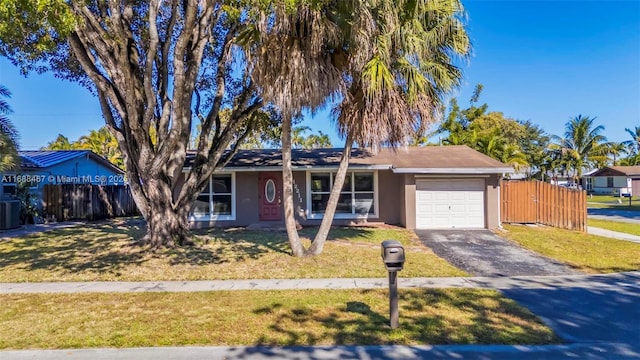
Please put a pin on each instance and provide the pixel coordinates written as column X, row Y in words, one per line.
column 622, row 170
column 35, row 159
column 413, row 159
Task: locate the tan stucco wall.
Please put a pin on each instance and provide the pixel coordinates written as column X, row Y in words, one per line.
column 390, row 197
column 396, row 201
column 492, row 202
column 410, row 201
column 246, row 198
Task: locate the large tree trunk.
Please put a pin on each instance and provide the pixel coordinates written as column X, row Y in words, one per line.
column 318, row 242
column 167, row 224
column 287, row 190
column 166, row 228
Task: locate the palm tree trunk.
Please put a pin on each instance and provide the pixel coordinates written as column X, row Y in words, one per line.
column 287, row 190
column 318, row 243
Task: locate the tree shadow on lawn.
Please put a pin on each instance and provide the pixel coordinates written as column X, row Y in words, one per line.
column 111, row 246
column 245, row 244
column 480, row 317
column 102, row 247
column 355, row 233
column 78, row 249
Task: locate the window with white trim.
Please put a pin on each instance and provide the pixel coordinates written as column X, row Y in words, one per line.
column 589, row 185
column 357, row 198
column 217, row 199
column 609, row 181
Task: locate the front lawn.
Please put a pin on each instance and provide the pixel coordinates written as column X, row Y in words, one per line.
column 106, row 252
column 312, row 317
column 613, row 202
column 623, row 227
column 588, row 253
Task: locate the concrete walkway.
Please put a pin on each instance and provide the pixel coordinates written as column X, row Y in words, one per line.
column 613, row 234
column 598, row 315
column 590, row 351
column 37, row 228
column 599, row 282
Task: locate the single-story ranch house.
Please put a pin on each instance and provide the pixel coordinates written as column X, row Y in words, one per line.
column 618, row 180
column 38, row 168
column 418, row 188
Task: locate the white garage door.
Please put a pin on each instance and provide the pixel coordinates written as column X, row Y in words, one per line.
column 446, row 204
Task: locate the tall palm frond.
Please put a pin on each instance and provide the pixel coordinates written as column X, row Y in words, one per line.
column 8, row 134
column 582, row 142
column 399, row 84
column 634, row 143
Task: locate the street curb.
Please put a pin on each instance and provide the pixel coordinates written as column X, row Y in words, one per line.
column 370, row 352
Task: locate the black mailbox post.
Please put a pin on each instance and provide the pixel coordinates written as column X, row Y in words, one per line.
column 393, row 258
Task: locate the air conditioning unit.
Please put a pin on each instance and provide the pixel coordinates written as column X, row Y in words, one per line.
column 9, row 214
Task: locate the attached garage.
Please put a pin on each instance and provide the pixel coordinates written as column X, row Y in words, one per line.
column 450, row 203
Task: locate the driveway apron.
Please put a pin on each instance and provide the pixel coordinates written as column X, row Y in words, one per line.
column 483, row 253
column 608, row 312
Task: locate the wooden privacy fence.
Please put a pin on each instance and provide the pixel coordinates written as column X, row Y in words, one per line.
column 87, row 202
column 537, row 202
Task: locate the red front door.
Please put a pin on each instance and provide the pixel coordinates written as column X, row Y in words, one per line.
column 270, row 195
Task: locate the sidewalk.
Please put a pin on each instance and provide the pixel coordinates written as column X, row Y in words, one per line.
column 593, row 351
column 613, row 234
column 598, row 315
column 601, row 282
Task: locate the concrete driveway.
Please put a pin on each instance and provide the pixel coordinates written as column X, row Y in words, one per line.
column 483, row 253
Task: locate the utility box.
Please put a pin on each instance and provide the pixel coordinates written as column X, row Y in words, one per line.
column 9, row 214
column 393, row 255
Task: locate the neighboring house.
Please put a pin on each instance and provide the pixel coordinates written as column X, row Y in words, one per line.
column 419, row 188
column 614, row 180
column 38, row 168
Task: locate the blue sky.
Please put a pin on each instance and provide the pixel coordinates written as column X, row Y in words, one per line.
column 544, row 61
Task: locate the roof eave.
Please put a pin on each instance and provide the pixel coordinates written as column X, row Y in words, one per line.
column 461, row 171
column 297, row 168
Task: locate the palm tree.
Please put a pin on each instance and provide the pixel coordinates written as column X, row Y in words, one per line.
column 60, row 143
column 583, row 142
column 631, row 160
column 401, row 66
column 287, row 47
column 389, row 62
column 615, row 149
column 8, row 134
column 103, row 143
column 495, row 146
column 314, row 141
column 634, row 143
column 298, row 139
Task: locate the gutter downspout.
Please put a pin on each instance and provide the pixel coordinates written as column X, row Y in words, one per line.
column 499, row 201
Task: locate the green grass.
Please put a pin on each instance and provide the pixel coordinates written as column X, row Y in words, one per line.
column 107, row 252
column 588, row 253
column 312, row 317
column 613, row 202
column 628, row 228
